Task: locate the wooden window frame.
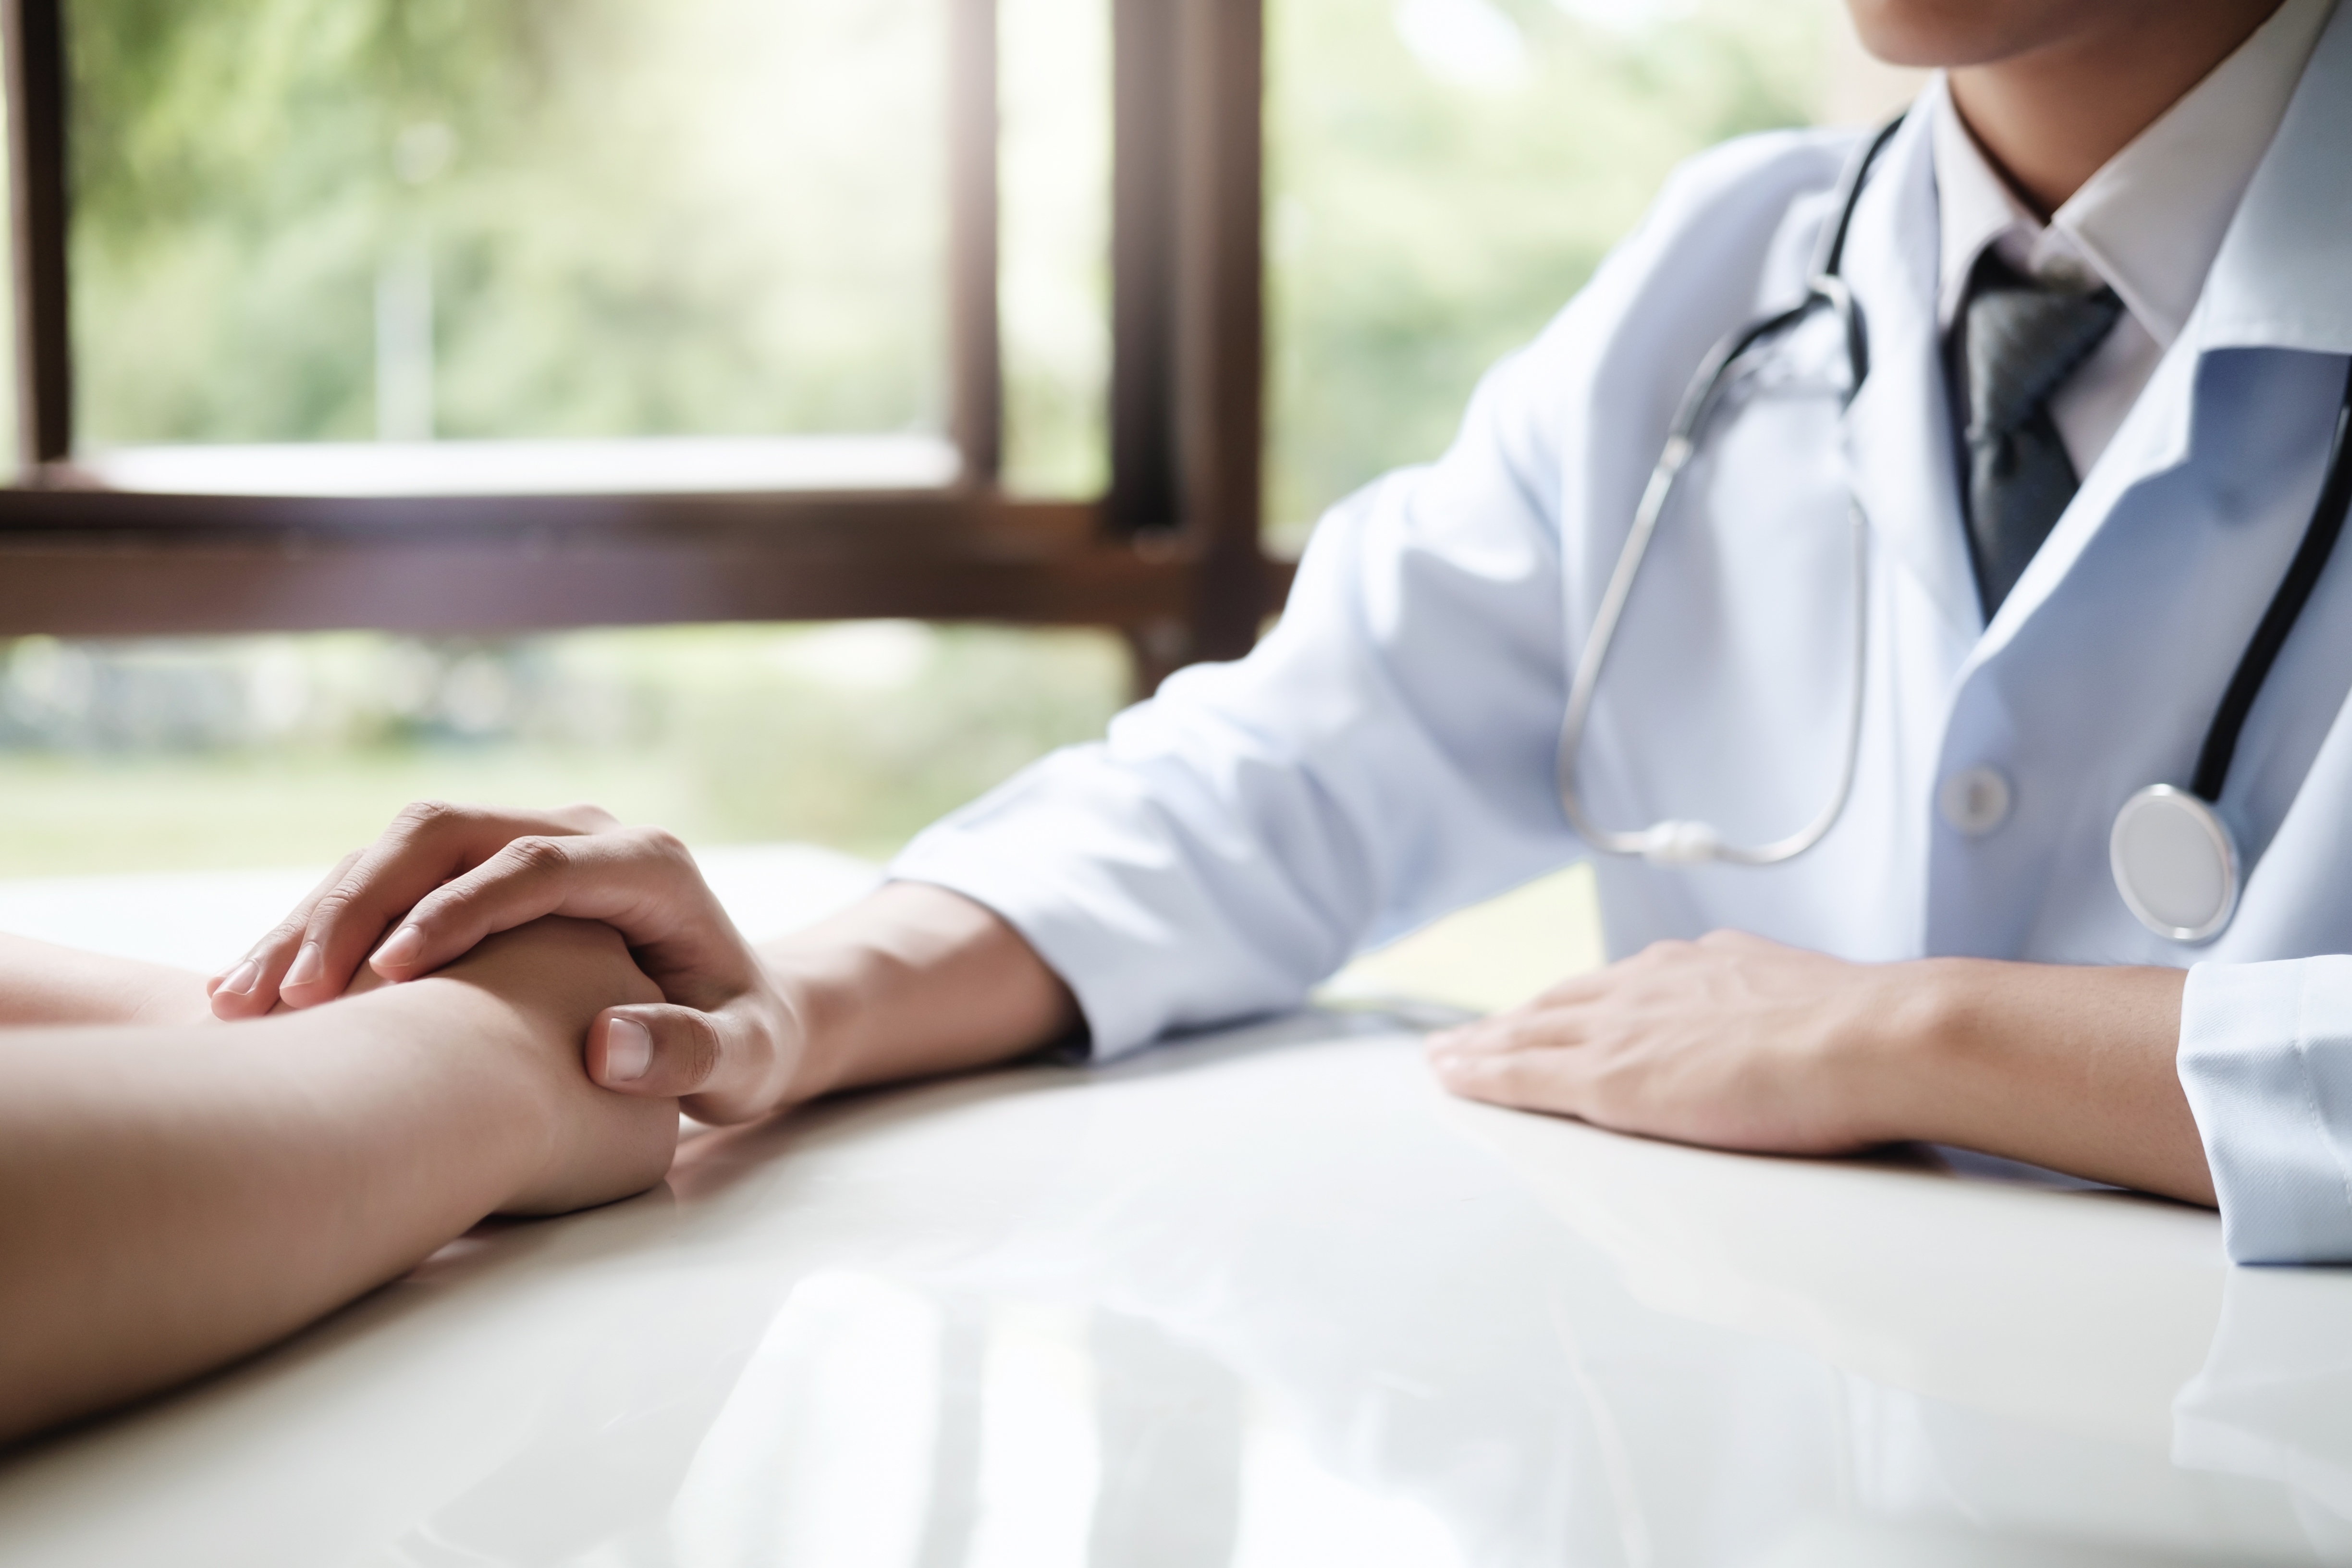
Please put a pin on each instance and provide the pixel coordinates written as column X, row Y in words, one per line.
column 1172, row 555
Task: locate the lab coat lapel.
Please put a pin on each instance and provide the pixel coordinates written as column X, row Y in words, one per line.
column 2281, row 280
column 1898, row 438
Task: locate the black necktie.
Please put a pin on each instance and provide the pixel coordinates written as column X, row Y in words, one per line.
column 2021, row 340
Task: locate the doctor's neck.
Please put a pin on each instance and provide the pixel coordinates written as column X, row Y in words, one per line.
column 2052, row 89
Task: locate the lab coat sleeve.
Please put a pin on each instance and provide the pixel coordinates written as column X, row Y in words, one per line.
column 1383, row 755
column 1387, row 753
column 2266, row 1060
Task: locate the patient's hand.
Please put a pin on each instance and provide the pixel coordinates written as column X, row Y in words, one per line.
column 547, row 981
column 443, row 878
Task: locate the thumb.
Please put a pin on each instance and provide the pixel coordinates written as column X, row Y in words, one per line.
column 716, row 1061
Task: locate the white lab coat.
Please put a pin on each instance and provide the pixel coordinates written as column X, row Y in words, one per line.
column 1387, row 754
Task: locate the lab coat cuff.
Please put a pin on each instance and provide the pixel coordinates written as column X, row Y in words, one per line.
column 1040, row 907
column 2266, row 1061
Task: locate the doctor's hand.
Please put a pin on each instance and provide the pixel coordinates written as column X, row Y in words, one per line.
column 725, row 1041
column 1740, row 1043
column 1731, row 1041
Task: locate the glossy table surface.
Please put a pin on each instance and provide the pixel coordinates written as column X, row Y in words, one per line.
column 1265, row 1298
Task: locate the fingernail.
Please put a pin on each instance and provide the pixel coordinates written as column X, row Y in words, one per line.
column 309, row 964
column 401, row 947
column 628, row 1050
column 241, row 979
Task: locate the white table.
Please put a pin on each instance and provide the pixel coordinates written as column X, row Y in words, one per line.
column 1265, row 1298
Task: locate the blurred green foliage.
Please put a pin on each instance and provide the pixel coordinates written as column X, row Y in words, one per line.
column 709, row 216
column 1443, row 174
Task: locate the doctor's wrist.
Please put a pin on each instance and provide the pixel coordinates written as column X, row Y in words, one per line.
column 913, row 982
column 1892, row 1047
column 2070, row 1066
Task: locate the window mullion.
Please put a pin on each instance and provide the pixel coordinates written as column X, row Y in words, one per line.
column 977, row 415
column 36, row 64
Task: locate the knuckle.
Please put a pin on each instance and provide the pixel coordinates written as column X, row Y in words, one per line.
column 332, row 905
column 1501, row 1068
column 1570, row 993
column 585, row 816
column 660, row 843
column 536, row 854
column 427, row 815
column 450, row 901
column 697, row 1051
column 284, row 934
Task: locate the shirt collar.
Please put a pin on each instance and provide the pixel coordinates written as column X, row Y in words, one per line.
column 2150, row 222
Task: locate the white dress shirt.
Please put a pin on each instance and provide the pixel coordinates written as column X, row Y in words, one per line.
column 1388, row 752
column 2147, row 224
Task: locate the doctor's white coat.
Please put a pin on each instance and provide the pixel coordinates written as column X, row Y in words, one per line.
column 1388, row 752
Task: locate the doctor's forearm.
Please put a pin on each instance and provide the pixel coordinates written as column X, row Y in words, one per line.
column 913, row 982
column 2067, row 1066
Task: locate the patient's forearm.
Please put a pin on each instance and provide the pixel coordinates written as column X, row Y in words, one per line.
column 173, row 1198
column 41, row 983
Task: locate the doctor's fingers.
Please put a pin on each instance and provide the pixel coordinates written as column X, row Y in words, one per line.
column 1560, row 1016
column 1556, row 1077
column 311, row 956
column 248, row 987
column 730, row 1064
column 642, row 881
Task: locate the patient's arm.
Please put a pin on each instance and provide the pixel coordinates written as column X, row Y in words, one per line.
column 41, row 983
column 172, row 1199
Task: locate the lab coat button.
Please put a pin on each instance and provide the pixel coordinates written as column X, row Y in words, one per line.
column 1975, row 800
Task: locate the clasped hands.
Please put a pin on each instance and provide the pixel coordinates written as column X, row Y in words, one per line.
column 726, row 1042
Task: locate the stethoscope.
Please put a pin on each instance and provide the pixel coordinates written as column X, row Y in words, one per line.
column 2174, row 859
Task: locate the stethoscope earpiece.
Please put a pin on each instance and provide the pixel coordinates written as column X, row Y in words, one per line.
column 2175, row 862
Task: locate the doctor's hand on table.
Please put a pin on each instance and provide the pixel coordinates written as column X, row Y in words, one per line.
column 1740, row 1043
column 912, row 981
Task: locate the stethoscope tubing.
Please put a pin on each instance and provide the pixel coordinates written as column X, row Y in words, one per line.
column 1684, row 843
column 2319, row 536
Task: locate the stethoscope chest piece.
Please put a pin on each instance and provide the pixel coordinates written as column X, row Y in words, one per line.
column 2175, row 863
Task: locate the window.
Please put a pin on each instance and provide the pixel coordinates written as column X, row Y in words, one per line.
column 632, row 315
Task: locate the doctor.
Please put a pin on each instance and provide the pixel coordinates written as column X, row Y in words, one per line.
column 2023, row 512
